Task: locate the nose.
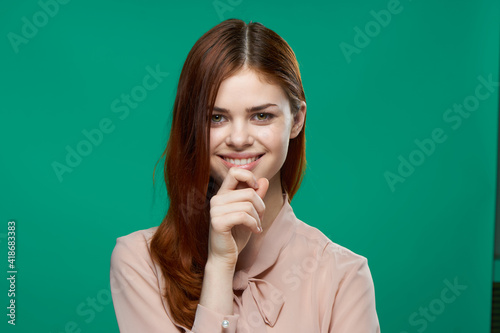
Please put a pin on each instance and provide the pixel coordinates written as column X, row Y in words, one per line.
column 240, row 135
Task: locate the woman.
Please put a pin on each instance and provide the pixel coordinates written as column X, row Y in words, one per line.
column 230, row 255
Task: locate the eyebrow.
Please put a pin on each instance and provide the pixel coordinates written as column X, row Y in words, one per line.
column 252, row 109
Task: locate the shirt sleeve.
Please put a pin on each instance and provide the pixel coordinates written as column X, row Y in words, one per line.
column 207, row 320
column 354, row 308
column 137, row 297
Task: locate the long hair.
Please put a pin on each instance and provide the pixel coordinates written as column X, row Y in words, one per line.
column 180, row 244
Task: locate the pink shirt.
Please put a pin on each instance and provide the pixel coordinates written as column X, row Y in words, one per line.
column 300, row 282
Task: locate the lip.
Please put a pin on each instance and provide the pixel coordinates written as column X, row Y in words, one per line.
column 248, row 166
column 241, row 155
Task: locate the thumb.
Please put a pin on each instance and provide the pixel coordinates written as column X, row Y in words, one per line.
column 263, row 187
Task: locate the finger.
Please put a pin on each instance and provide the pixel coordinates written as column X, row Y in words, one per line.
column 224, row 223
column 242, row 195
column 235, row 207
column 236, row 175
column 240, row 206
column 263, row 187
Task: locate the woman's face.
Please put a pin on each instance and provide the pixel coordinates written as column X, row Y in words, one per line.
column 262, row 133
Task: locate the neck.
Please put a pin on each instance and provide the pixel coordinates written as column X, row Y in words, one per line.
column 274, row 202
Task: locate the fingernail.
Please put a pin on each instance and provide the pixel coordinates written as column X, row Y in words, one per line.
column 256, row 185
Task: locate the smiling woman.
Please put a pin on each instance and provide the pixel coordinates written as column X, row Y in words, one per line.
column 230, row 255
column 248, row 132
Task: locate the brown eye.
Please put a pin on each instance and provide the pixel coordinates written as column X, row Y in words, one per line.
column 216, row 118
column 263, row 116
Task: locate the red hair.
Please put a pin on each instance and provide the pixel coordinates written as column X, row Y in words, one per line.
column 180, row 244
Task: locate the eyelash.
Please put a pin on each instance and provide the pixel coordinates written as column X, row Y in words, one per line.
column 269, row 117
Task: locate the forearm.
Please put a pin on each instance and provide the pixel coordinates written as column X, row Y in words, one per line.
column 217, row 288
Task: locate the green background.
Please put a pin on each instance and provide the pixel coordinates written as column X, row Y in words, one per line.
column 364, row 111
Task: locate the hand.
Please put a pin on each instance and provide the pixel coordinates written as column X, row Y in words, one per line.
column 235, row 212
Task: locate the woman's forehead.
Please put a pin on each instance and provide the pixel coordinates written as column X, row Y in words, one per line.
column 247, row 89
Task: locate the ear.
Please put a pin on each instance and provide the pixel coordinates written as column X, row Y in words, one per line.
column 298, row 121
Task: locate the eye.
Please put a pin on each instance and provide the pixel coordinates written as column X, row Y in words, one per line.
column 264, row 116
column 216, row 118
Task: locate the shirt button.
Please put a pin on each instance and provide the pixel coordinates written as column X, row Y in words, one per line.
column 225, row 323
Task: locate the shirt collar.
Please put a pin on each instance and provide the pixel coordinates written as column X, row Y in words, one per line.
column 255, row 291
column 276, row 238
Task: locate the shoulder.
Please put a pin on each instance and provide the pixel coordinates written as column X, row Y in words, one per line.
column 335, row 269
column 320, row 250
column 340, row 282
column 133, row 249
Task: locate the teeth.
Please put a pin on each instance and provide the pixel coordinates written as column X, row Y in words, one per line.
column 241, row 161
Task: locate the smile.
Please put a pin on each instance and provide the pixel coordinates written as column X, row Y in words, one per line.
column 245, row 163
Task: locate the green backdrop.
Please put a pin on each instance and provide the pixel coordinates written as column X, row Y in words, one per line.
column 401, row 133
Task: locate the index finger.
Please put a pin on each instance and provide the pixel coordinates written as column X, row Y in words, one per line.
column 237, row 175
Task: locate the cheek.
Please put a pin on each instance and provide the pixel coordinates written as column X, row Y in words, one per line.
column 215, row 139
column 275, row 139
column 265, row 135
column 268, row 136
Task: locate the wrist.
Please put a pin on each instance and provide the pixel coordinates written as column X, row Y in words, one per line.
column 217, row 289
column 220, row 265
